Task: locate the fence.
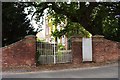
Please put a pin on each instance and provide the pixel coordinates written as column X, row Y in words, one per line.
column 48, row 53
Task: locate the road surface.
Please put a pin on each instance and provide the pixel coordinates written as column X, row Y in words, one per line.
column 110, row 71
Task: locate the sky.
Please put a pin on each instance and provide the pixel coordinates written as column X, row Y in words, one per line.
column 33, row 22
column 41, row 34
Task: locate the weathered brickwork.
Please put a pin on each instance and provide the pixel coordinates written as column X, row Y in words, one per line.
column 118, row 51
column 77, row 49
column 103, row 50
column 0, row 58
column 21, row 53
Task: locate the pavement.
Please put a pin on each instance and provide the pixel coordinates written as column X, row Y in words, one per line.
column 107, row 71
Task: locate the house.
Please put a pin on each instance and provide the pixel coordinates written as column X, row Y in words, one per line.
column 45, row 34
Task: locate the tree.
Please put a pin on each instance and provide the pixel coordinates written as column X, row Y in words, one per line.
column 70, row 29
column 91, row 16
column 15, row 23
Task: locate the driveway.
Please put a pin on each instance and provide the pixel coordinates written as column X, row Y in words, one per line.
column 109, row 71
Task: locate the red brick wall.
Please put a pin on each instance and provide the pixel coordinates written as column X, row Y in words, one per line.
column 0, row 58
column 20, row 53
column 23, row 52
column 118, row 45
column 103, row 50
column 77, row 49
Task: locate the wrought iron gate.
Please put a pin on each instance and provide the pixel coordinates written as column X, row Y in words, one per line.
column 49, row 53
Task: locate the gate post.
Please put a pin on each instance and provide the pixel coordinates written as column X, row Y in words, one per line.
column 77, row 49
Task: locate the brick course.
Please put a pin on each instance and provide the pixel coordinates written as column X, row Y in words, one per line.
column 76, row 50
column 118, row 46
column 21, row 53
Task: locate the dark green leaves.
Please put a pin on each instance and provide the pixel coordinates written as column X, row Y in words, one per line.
column 15, row 24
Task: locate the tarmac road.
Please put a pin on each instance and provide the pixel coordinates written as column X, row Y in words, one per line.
column 109, row 71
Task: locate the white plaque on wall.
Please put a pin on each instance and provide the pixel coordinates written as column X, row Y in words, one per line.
column 87, row 49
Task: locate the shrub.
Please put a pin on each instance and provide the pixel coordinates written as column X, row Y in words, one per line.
column 61, row 47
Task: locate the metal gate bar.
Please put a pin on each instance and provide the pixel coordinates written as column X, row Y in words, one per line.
column 49, row 54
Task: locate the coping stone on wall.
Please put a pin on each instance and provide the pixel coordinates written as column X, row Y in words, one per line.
column 17, row 42
column 97, row 38
column 30, row 36
column 76, row 38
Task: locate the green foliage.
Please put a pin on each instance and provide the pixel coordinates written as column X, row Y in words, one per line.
column 57, row 18
column 76, row 29
column 71, row 29
column 92, row 17
column 104, row 18
column 15, row 23
column 68, row 28
column 59, row 54
column 61, row 47
column 40, row 40
column 111, row 28
column 37, row 57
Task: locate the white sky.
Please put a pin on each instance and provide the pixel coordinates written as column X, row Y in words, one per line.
column 33, row 22
column 41, row 34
